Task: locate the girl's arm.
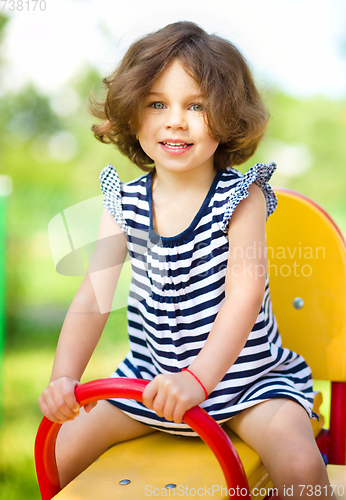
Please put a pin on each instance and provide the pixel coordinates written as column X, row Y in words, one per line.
column 244, row 291
column 172, row 395
column 84, row 322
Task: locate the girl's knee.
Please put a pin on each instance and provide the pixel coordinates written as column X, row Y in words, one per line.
column 308, row 469
column 304, row 467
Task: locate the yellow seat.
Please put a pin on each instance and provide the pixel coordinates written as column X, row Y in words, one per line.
column 307, row 269
column 337, row 478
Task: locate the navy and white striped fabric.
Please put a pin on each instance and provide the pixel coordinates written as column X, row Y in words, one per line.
column 177, row 290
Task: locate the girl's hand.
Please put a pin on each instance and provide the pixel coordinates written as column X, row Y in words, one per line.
column 58, row 401
column 171, row 395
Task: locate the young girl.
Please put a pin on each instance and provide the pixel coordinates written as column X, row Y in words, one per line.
column 183, row 106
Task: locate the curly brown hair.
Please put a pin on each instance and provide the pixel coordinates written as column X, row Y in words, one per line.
column 235, row 113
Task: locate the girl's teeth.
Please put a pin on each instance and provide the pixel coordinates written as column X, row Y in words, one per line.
column 175, row 144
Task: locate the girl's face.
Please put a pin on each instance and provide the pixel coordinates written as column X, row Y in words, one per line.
column 173, row 131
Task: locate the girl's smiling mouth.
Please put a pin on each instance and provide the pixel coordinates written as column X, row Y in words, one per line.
column 175, row 146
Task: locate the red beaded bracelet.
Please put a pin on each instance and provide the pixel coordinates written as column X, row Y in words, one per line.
column 200, row 383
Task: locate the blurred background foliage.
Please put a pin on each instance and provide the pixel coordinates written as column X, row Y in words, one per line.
column 46, row 147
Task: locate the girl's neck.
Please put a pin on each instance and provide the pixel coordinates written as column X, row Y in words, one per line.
column 172, row 185
column 176, row 199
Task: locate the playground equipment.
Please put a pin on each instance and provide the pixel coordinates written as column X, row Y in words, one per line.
column 307, row 268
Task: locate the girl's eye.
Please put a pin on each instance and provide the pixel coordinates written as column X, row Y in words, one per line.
column 157, row 105
column 197, row 107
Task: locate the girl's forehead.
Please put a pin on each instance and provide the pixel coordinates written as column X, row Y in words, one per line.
column 175, row 75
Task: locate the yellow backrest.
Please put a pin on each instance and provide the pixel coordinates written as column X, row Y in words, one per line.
column 307, row 272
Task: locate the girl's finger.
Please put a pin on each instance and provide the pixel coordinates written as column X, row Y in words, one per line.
column 159, row 403
column 169, row 408
column 68, row 394
column 62, row 411
column 149, row 394
column 90, row 406
column 46, row 412
column 54, row 413
column 61, row 402
column 68, row 409
column 179, row 411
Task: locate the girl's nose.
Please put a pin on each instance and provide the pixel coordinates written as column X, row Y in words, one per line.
column 176, row 118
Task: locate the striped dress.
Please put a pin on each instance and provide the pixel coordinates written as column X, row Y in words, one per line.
column 177, row 289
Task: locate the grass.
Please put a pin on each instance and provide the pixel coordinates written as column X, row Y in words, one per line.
column 25, row 374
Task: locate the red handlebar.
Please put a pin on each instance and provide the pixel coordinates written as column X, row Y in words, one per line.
column 197, row 418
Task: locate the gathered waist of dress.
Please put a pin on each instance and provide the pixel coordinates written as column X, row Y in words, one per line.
column 163, row 295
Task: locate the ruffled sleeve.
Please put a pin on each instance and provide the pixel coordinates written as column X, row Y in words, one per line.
column 111, row 188
column 260, row 175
